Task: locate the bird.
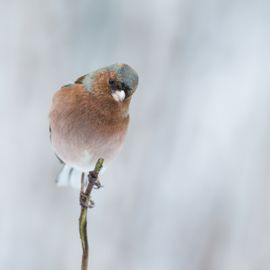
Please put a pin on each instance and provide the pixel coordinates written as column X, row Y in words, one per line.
column 89, row 119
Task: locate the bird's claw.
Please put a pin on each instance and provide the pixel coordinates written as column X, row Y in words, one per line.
column 97, row 184
column 85, row 201
column 93, row 179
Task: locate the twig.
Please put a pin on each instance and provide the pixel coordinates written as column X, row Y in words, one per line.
column 85, row 200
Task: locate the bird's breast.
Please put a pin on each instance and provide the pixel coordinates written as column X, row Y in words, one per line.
column 83, row 131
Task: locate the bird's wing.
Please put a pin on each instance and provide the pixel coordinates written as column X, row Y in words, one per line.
column 60, row 160
column 50, row 131
column 86, row 80
column 67, row 85
column 80, row 80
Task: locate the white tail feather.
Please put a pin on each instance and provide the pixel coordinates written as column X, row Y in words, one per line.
column 70, row 177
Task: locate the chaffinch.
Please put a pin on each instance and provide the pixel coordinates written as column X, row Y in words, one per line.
column 89, row 120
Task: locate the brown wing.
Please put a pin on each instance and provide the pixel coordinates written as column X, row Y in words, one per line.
column 50, row 130
column 80, row 79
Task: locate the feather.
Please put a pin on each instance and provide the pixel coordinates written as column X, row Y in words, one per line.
column 70, row 177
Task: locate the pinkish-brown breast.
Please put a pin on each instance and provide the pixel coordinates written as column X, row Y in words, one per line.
column 85, row 128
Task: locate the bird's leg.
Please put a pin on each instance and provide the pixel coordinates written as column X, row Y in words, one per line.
column 93, row 179
column 93, row 182
column 85, row 199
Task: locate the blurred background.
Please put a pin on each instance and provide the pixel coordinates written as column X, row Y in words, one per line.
column 190, row 189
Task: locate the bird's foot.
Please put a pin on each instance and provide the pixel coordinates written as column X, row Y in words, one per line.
column 93, row 179
column 97, row 184
column 85, row 201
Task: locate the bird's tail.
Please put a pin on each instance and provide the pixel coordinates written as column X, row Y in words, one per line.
column 70, row 177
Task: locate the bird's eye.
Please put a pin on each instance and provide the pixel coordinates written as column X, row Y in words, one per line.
column 111, row 82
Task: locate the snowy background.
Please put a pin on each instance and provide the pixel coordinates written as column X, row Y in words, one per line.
column 191, row 189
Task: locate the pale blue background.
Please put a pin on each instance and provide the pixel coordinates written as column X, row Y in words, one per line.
column 191, row 189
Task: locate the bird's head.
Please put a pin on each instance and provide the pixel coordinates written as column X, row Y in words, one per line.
column 118, row 81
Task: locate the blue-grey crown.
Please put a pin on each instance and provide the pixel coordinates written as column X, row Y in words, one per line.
column 126, row 74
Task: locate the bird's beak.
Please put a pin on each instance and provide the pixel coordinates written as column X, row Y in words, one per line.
column 119, row 95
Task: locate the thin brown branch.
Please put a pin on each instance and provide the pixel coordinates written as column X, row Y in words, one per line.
column 85, row 204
